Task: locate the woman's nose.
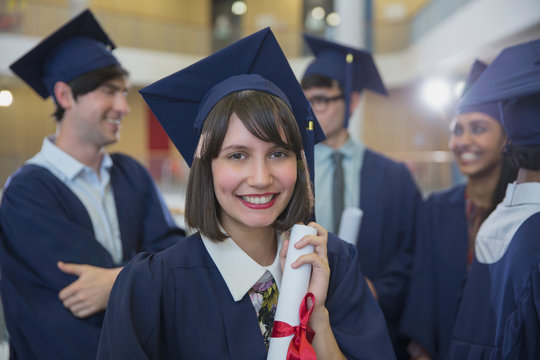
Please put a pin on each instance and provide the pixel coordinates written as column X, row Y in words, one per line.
column 260, row 174
column 464, row 138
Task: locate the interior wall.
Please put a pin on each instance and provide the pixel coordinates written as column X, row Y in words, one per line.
column 285, row 19
column 403, row 128
column 392, row 36
column 181, row 26
column 22, row 127
column 195, row 12
column 401, row 122
column 168, row 25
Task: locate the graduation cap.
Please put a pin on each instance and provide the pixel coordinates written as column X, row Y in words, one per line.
column 353, row 69
column 78, row 47
column 491, row 109
column 182, row 101
column 513, row 80
column 477, row 69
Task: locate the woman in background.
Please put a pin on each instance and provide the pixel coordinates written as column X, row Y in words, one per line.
column 448, row 222
column 499, row 312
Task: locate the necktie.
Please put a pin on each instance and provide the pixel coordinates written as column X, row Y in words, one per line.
column 266, row 294
column 338, row 187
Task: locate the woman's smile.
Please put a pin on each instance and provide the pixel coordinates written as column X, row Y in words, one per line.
column 263, row 201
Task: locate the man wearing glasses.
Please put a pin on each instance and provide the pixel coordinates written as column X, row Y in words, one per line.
column 347, row 174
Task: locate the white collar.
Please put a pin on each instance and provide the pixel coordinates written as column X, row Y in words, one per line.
column 349, row 149
column 523, row 193
column 237, row 268
column 65, row 164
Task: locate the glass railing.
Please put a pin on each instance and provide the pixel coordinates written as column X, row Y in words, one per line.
column 127, row 30
column 132, row 29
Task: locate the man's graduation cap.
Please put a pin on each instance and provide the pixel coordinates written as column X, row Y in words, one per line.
column 353, row 69
column 78, row 47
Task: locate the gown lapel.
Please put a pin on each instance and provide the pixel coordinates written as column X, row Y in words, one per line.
column 244, row 337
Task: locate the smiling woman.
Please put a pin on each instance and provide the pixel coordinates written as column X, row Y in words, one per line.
column 254, row 148
column 449, row 221
column 249, row 138
column 251, row 174
column 477, row 141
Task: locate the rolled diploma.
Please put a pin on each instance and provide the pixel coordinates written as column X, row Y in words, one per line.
column 294, row 286
column 349, row 226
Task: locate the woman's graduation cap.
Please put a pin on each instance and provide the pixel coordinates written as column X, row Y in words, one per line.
column 182, row 101
column 353, row 69
column 513, row 80
column 78, row 47
column 491, row 109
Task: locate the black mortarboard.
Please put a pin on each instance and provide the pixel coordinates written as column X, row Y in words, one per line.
column 513, row 80
column 182, row 101
column 78, row 47
column 353, row 69
column 491, row 109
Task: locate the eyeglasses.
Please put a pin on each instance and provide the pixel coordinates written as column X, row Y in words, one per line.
column 319, row 102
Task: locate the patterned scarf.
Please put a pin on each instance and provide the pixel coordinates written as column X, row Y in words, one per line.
column 264, row 296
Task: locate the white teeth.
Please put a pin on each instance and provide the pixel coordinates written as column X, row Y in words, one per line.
column 257, row 199
column 114, row 121
column 468, row 156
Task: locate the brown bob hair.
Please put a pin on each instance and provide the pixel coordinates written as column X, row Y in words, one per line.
column 268, row 118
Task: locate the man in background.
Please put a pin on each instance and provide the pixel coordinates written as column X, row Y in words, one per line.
column 73, row 215
column 349, row 175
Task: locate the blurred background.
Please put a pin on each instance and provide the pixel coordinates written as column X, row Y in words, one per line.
column 423, row 49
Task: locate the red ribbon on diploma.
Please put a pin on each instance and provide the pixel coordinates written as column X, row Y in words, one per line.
column 300, row 346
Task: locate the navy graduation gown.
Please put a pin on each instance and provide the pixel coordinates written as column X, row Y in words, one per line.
column 440, row 269
column 389, row 198
column 176, row 305
column 43, row 222
column 499, row 316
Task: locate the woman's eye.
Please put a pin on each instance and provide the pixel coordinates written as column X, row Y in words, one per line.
column 279, row 154
column 456, row 130
column 478, row 129
column 236, row 156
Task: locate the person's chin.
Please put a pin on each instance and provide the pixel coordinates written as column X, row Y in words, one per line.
column 111, row 141
column 260, row 220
